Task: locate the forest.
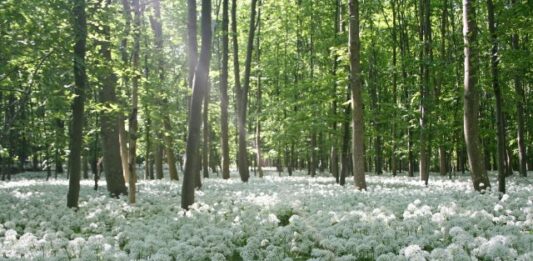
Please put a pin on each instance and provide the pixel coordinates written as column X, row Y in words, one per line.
column 266, row 130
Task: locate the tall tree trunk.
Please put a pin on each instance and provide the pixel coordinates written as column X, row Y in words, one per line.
column 123, row 136
column 157, row 27
column 443, row 55
column 109, row 120
column 520, row 128
column 238, row 92
column 358, row 135
column 224, row 99
column 334, row 157
column 500, row 128
column 80, row 80
column 158, row 160
column 242, row 93
column 148, row 150
column 478, row 173
column 192, row 42
column 259, row 158
column 133, row 123
column 425, row 60
column 201, row 80
column 373, row 88
column 394, row 167
column 205, row 148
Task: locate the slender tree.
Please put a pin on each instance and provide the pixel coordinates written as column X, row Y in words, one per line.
column 358, row 135
column 109, row 119
column 157, row 27
column 500, row 130
column 80, row 84
column 224, row 99
column 478, row 173
column 201, row 80
column 123, row 136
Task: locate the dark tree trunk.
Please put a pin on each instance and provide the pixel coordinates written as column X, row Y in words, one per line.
column 345, row 157
column 192, row 43
column 157, row 27
column 425, row 59
column 500, row 127
column 471, row 98
column 201, row 80
column 205, row 147
column 109, row 120
column 80, row 80
column 358, row 135
column 520, row 128
column 224, row 100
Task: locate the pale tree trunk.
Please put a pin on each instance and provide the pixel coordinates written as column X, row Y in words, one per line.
column 259, row 158
column 224, row 99
column 393, row 160
column 201, row 80
column 122, row 134
column 358, row 135
column 478, row 173
column 158, row 160
column 334, row 157
column 80, row 84
column 133, row 124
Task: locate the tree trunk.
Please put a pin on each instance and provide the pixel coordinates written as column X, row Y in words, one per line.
column 123, row 136
column 157, row 27
column 148, row 149
column 358, row 135
column 133, row 123
column 80, row 80
column 109, row 120
column 205, row 148
column 425, row 59
column 259, row 158
column 471, row 98
column 224, row 99
column 345, row 158
column 201, row 80
column 158, row 160
column 500, row 127
column 520, row 128
column 242, row 93
column 192, row 43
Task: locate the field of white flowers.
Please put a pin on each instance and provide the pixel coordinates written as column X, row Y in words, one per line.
column 274, row 218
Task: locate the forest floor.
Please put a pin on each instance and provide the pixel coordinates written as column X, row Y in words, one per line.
column 274, row 218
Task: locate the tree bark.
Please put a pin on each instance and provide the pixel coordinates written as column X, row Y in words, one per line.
column 520, row 128
column 205, row 148
column 426, row 61
column 500, row 127
column 358, row 135
column 157, row 27
column 200, row 85
column 471, row 98
column 123, row 136
column 224, row 99
column 109, row 120
column 80, row 80
column 133, row 123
